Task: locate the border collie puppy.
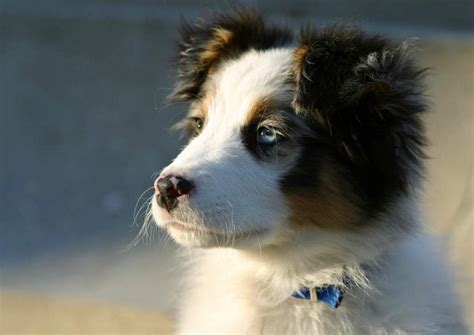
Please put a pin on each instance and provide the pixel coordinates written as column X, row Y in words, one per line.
column 299, row 188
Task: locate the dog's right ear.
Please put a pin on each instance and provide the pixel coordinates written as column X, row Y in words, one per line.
column 207, row 43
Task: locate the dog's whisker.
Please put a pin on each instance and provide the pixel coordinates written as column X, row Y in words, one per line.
column 143, row 232
column 135, row 212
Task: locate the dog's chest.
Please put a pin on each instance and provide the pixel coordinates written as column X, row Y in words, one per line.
column 230, row 294
column 234, row 314
column 224, row 297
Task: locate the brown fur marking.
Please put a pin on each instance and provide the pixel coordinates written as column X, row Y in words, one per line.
column 299, row 57
column 327, row 208
column 200, row 108
column 213, row 49
column 259, row 109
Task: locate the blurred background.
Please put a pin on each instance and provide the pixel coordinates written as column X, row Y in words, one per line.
column 84, row 126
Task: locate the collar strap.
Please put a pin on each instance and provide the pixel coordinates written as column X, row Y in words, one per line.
column 329, row 294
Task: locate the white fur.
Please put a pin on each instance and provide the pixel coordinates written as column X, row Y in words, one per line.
column 406, row 290
column 253, row 260
column 222, row 167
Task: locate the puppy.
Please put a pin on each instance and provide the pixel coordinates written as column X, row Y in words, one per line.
column 299, row 188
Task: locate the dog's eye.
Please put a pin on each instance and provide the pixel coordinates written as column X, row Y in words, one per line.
column 197, row 124
column 267, row 135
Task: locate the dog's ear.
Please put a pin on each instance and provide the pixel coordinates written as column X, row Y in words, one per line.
column 367, row 93
column 206, row 43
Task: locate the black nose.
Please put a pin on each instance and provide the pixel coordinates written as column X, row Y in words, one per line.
column 169, row 188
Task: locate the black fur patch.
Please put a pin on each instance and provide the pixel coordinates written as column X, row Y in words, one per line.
column 366, row 94
column 199, row 50
column 290, row 129
column 360, row 95
column 249, row 139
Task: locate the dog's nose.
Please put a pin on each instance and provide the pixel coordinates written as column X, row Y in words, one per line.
column 169, row 188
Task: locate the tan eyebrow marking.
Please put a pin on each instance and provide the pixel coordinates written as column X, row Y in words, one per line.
column 200, row 108
column 213, row 49
column 260, row 108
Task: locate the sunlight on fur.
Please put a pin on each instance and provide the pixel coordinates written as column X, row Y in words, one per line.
column 303, row 171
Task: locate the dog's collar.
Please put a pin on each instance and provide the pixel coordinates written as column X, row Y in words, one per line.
column 329, row 294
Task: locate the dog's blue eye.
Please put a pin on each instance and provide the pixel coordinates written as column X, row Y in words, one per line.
column 267, row 135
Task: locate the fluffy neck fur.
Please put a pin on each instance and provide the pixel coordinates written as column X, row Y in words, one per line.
column 248, row 292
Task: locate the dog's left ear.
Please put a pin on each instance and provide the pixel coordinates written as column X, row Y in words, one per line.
column 367, row 93
column 207, row 43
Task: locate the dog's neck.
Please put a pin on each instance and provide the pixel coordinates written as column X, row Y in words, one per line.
column 270, row 279
column 313, row 258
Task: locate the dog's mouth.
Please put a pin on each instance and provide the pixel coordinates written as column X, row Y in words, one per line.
column 197, row 233
column 183, row 227
column 187, row 228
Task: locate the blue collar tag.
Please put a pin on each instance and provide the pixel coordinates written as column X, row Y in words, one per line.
column 329, row 294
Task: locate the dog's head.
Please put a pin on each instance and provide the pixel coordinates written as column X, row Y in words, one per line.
column 321, row 131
